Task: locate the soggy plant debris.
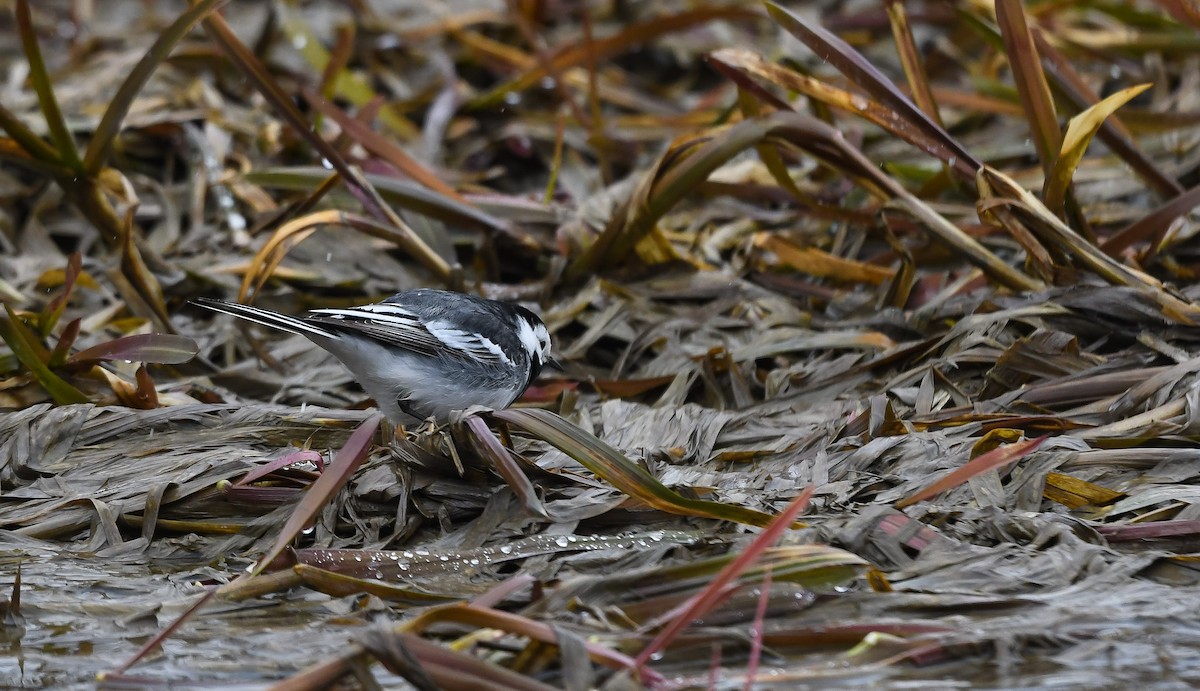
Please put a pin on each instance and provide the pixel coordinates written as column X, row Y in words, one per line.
column 879, row 324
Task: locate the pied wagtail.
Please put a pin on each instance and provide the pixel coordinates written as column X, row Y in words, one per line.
column 424, row 352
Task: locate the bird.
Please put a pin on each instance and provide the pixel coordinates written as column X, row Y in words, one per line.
column 424, row 353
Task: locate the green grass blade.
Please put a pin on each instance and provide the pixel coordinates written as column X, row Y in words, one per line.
column 1080, row 131
column 40, row 77
column 33, row 145
column 19, row 340
column 612, row 466
column 118, row 107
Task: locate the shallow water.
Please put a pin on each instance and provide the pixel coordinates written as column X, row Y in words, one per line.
column 85, row 615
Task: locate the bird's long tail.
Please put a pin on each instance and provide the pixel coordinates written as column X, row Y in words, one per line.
column 258, row 315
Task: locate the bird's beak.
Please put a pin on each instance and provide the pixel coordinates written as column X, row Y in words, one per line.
column 553, row 364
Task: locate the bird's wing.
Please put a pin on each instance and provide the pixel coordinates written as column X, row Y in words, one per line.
column 395, row 325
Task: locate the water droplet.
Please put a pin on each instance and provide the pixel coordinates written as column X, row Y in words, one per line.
column 561, row 541
column 859, row 102
column 512, row 98
column 298, row 42
column 388, row 42
column 506, row 549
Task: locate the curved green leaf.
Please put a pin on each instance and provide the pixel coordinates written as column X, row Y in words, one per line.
column 1080, row 131
column 612, row 465
column 18, row 339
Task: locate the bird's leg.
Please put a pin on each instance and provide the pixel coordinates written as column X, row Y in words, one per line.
column 402, row 404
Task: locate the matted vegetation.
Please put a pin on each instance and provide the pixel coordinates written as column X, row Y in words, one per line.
column 878, row 322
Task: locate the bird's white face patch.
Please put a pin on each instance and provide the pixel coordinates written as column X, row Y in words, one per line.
column 543, row 337
column 529, row 338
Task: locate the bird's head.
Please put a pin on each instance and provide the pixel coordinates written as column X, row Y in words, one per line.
column 535, row 339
